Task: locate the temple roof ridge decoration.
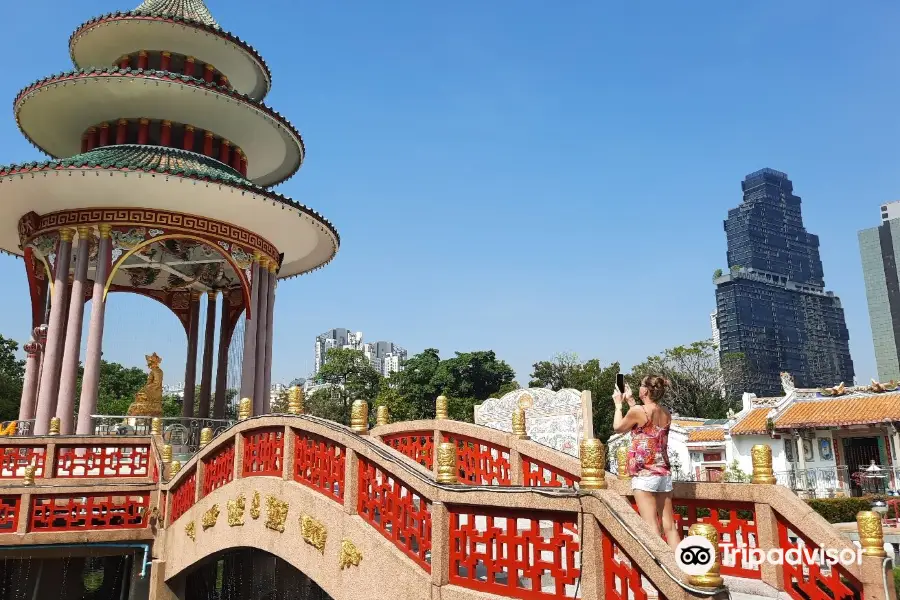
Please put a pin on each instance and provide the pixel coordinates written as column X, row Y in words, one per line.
column 194, row 10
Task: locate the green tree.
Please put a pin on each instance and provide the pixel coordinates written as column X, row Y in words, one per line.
column 328, row 403
column 117, row 387
column 399, row 408
column 567, row 371
column 416, row 386
column 12, row 372
column 470, row 378
column 352, row 377
column 695, row 376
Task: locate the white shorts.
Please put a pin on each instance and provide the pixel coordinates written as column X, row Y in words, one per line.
column 652, row 483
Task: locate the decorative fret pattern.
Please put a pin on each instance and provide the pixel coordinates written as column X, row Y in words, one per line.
column 812, row 581
column 184, row 496
column 319, row 464
column 623, row 580
column 418, row 445
column 91, row 512
column 263, row 452
column 538, row 474
column 14, row 459
column 480, row 462
column 399, row 513
column 73, row 462
column 10, row 506
column 218, row 469
column 514, row 553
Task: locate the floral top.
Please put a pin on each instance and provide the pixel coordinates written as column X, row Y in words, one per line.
column 649, row 452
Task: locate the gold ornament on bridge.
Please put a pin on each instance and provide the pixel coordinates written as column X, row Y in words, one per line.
column 167, row 454
column 276, row 513
column 518, row 423
column 236, row 511
column 446, row 458
column 191, row 530
column 148, row 401
column 205, row 437
column 296, row 401
column 711, row 579
column 29, row 475
column 350, row 555
column 871, row 535
column 761, row 455
column 440, row 407
column 593, row 465
column 210, row 517
column 254, row 506
column 382, row 416
column 245, row 409
column 54, row 426
column 156, row 426
column 313, row 532
column 359, row 417
column 174, row 467
column 622, row 462
column 10, row 429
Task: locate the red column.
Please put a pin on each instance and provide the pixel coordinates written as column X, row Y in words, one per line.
column 166, row 61
column 84, row 143
column 142, row 59
column 224, row 151
column 236, row 159
column 165, row 134
column 91, row 138
column 49, row 385
column 124, row 62
column 189, row 65
column 122, row 132
column 188, row 137
column 104, row 135
column 208, row 72
column 207, row 143
column 190, row 369
column 144, row 131
column 223, row 81
column 91, row 379
column 243, row 164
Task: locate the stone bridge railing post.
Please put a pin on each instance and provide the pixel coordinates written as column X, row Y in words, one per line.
column 238, row 455
column 592, row 570
column 351, row 482
column 440, row 544
column 287, row 459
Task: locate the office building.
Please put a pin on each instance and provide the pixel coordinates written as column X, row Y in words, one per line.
column 385, row 357
column 879, row 248
column 772, row 305
column 336, row 338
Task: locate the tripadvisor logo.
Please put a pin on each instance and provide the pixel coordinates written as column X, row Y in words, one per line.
column 695, row 555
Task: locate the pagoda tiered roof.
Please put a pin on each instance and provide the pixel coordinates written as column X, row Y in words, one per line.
column 193, row 10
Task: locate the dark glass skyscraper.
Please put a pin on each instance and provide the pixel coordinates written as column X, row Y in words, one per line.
column 772, row 306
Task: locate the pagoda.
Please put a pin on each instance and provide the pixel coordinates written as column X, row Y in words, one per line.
column 162, row 159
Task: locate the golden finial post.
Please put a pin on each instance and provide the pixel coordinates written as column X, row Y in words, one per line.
column 156, row 426
column 446, row 457
column 593, row 464
column 440, row 407
column 382, row 415
column 245, row 409
column 205, row 437
column 622, row 463
column 174, row 467
column 871, row 534
column 359, row 417
column 54, row 426
column 167, row 454
column 29, row 475
column 710, row 579
column 518, row 423
column 761, row 455
column 295, row 401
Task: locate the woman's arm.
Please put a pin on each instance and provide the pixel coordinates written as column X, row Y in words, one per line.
column 623, row 423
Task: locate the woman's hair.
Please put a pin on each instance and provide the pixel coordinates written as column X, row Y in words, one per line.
column 656, row 386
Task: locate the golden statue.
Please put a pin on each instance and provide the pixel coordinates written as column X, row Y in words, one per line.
column 148, row 401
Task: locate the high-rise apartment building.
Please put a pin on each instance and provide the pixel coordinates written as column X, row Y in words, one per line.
column 336, row 338
column 879, row 248
column 772, row 306
column 386, row 357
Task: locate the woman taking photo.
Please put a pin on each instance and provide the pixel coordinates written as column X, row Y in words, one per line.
column 648, row 455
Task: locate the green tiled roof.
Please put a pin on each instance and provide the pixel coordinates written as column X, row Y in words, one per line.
column 194, row 10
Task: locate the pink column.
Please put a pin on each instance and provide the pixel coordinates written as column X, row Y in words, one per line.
column 190, row 369
column 208, row 345
column 249, row 363
column 222, row 362
column 91, row 379
column 65, row 405
column 46, row 407
column 259, row 381
column 32, row 374
column 270, row 319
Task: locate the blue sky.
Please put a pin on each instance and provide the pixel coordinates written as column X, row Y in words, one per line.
column 534, row 177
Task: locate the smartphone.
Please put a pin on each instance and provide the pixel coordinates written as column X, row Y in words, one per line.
column 620, row 382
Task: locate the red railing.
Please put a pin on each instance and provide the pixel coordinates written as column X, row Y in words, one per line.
column 263, row 452
column 523, row 554
column 92, row 512
column 810, row 580
column 184, row 496
column 14, row 459
column 538, row 474
column 418, row 445
column 319, row 464
column 480, row 462
column 399, row 513
column 9, row 513
column 103, row 461
column 622, row 579
column 218, row 469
